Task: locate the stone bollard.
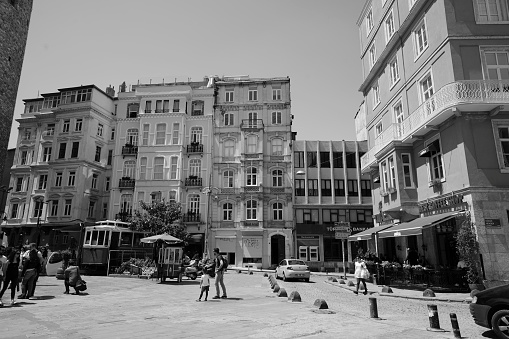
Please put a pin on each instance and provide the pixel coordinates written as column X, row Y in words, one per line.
column 276, row 288
column 329, row 278
column 239, row 271
column 321, row 304
column 428, row 293
column 373, row 308
column 282, row 293
column 294, row 297
column 341, row 281
column 250, row 272
column 350, row 283
column 455, row 325
column 334, row 280
column 386, row 289
column 265, row 274
column 434, row 323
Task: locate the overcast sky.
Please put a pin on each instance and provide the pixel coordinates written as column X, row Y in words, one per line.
column 103, row 42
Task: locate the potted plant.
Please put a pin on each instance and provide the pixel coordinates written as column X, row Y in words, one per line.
column 467, row 248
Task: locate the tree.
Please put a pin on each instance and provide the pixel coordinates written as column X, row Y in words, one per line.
column 159, row 217
column 467, row 247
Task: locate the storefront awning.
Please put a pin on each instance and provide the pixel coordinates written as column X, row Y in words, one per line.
column 366, row 235
column 415, row 226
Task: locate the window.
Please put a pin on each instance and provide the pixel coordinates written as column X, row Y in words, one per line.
column 228, row 95
column 277, row 178
column 97, row 153
column 19, row 184
column 501, row 131
column 160, row 134
column 159, row 106
column 196, row 135
column 143, row 168
column 351, row 160
column 298, row 158
column 54, row 208
column 107, row 184
column 148, row 106
column 126, row 204
column 176, row 106
column 325, row 159
column 366, row 188
column 14, row 211
column 229, row 148
column 67, row 207
column 100, row 129
column 144, row 140
column 50, row 130
column 252, row 94
column 173, row 167
column 132, row 110
column 312, row 187
column 420, row 38
column 276, row 93
column 61, row 150
column 277, row 211
column 110, row 157
column 251, row 176
column 392, row 170
column 308, row 216
column 175, row 137
column 43, row 181
column 326, row 188
column 94, row 180
column 398, row 113
column 339, row 187
column 71, row 179
column 389, row 27
column 276, row 118
column 251, row 209
column 28, row 134
column 332, row 216
column 105, row 211
column 158, row 168
column 58, row 179
column 379, row 128
column 132, row 137
column 75, row 148
column 337, row 159
column 361, row 216
column 394, row 71
column 311, row 158
column 300, row 189
column 228, row 178
column 426, row 85
column 353, row 190
column 228, row 119
column 407, row 170
column 385, row 176
column 156, row 196
column 172, row 196
column 435, row 161
column 78, row 125
column 166, row 106
column 491, row 11
column 46, row 154
column 193, row 203
column 66, row 125
column 277, row 146
column 496, row 65
column 376, row 94
column 195, row 167
column 369, row 21
column 252, row 143
column 91, row 209
column 228, row 211
column 372, row 56
column 38, row 208
column 23, row 158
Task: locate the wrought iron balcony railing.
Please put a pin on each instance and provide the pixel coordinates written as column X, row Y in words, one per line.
column 126, row 183
column 193, row 181
column 191, row 217
column 251, row 124
column 195, row 148
column 129, row 150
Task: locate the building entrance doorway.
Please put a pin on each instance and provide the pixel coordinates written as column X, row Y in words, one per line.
column 277, row 249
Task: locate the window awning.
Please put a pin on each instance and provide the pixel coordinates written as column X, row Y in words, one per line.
column 366, row 235
column 415, row 226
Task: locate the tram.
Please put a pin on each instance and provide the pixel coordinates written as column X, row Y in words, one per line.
column 109, row 243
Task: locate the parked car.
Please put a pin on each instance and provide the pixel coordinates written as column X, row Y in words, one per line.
column 54, row 263
column 490, row 309
column 292, row 269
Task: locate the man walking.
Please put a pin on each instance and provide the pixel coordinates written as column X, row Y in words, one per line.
column 220, row 268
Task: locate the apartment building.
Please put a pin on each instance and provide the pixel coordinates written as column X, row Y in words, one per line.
column 60, row 166
column 251, row 192
column 436, row 88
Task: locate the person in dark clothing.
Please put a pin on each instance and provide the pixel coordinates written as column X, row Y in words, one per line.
column 10, row 274
column 71, row 277
column 412, row 257
column 220, row 269
column 31, row 269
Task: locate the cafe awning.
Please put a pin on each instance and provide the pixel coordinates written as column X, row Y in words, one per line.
column 366, row 235
column 415, row 226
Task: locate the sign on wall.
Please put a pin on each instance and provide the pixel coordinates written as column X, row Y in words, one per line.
column 492, row 223
column 252, row 247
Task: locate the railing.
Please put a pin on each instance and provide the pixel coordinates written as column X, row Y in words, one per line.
column 193, row 182
column 126, row 183
column 129, row 150
column 191, row 217
column 229, row 190
column 248, row 189
column 456, row 93
column 445, row 278
column 252, row 124
column 195, row 148
column 252, row 156
column 197, row 112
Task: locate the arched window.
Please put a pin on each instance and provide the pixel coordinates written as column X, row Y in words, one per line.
column 251, row 209
column 228, row 178
column 277, row 178
column 277, row 146
column 196, row 135
column 251, row 144
column 277, row 211
column 132, row 137
column 195, row 168
column 228, row 211
column 129, row 168
column 251, row 176
column 126, row 203
column 193, row 204
column 229, row 148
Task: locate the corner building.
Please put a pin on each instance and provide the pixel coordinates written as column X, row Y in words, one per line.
column 251, row 193
column 436, row 88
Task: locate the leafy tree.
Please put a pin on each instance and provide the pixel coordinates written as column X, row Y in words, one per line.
column 159, row 217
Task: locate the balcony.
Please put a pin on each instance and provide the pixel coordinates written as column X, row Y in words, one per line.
column 195, row 148
column 251, row 124
column 191, row 217
column 129, row 150
column 229, row 190
column 123, row 216
column 193, row 181
column 469, row 95
column 126, row 183
column 388, row 191
column 252, row 189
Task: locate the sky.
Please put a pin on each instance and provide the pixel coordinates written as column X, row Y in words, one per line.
column 106, row 42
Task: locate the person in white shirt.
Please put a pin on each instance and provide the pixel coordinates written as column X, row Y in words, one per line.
column 204, row 285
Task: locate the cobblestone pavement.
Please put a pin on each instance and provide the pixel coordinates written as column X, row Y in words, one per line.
column 137, row 308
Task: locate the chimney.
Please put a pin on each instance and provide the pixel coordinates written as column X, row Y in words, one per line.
column 110, row 91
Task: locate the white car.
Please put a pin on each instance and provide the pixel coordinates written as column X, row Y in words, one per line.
column 54, row 263
column 292, row 269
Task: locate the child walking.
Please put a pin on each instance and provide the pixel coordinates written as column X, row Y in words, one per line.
column 204, row 285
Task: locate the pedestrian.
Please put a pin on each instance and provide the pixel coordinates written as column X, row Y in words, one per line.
column 33, row 247
column 10, row 272
column 31, row 269
column 204, row 285
column 220, row 268
column 3, row 260
column 72, row 277
column 361, row 274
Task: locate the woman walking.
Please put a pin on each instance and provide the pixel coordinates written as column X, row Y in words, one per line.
column 361, row 273
column 10, row 274
column 31, row 268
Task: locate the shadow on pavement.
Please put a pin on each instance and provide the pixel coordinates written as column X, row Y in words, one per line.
column 22, row 303
column 39, row 285
column 489, row 334
column 183, row 282
column 43, row 297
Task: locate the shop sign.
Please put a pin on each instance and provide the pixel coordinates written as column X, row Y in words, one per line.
column 446, row 204
column 308, row 237
column 358, row 229
column 492, row 223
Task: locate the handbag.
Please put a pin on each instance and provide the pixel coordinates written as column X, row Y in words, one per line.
column 81, row 285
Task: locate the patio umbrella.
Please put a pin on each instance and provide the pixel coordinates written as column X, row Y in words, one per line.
column 169, row 239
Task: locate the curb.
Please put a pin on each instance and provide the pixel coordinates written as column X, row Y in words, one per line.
column 392, row 295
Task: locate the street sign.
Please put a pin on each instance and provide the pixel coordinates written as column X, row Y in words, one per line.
column 342, row 235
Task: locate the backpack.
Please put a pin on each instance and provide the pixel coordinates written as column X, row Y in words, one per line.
column 225, row 264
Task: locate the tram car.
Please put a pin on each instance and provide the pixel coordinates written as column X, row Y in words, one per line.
column 108, row 244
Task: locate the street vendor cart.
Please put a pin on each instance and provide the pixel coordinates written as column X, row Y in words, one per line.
column 169, row 255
